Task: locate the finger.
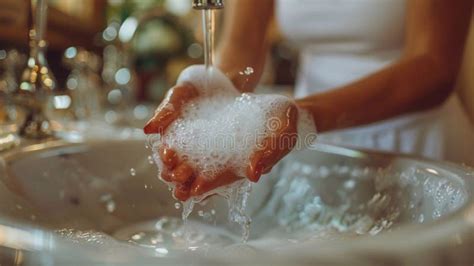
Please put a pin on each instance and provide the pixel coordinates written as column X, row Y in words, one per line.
column 168, row 157
column 170, row 109
column 164, row 115
column 203, row 184
column 183, row 177
column 267, row 170
column 183, row 174
column 181, row 193
column 275, row 146
column 165, row 175
column 255, row 167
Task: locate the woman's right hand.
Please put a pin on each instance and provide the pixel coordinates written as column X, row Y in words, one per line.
column 175, row 171
column 170, row 108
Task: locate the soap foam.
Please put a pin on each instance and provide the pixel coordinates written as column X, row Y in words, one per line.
column 222, row 128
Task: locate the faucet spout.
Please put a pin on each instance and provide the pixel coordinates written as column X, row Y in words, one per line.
column 208, row 4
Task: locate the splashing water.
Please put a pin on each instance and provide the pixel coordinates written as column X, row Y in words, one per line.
column 305, row 202
column 363, row 200
column 236, row 195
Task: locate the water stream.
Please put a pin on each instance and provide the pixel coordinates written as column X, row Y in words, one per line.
column 236, row 194
column 208, row 27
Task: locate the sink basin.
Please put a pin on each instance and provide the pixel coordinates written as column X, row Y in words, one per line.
column 100, row 202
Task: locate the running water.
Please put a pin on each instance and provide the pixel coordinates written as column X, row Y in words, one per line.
column 222, row 129
column 208, row 27
column 238, row 194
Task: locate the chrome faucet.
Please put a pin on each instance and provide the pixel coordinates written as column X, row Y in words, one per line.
column 37, row 81
column 208, row 4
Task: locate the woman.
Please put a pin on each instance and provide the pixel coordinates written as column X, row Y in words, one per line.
column 387, row 68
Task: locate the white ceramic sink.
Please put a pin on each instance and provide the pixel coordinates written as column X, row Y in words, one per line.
column 64, row 203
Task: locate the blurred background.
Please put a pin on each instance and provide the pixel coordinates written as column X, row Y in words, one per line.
column 134, row 50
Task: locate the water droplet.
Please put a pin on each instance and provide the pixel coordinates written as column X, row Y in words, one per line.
column 177, row 205
column 349, row 184
column 157, row 239
column 421, row 218
column 247, row 71
column 110, row 206
column 133, row 172
column 150, row 159
column 109, row 202
column 213, row 212
column 161, row 252
column 138, row 236
column 146, row 186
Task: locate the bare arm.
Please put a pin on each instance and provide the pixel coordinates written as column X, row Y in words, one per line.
column 244, row 42
column 421, row 79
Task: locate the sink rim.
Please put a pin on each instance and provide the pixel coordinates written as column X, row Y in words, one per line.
column 459, row 222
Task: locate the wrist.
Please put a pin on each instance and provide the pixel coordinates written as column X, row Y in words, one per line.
column 320, row 116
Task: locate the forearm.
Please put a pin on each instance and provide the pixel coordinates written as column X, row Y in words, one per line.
column 244, row 43
column 410, row 85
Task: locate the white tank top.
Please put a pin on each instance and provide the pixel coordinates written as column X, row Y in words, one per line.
column 344, row 40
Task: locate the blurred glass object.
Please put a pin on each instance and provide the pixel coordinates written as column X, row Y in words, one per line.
column 62, row 102
column 118, row 78
column 178, row 7
column 83, row 83
column 37, row 81
column 10, row 61
column 195, row 50
column 152, row 64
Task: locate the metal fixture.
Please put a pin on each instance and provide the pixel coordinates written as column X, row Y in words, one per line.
column 37, row 81
column 208, row 4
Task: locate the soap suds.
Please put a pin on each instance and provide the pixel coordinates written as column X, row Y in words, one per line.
column 221, row 129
